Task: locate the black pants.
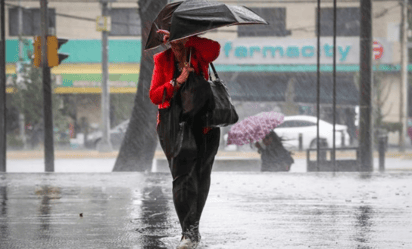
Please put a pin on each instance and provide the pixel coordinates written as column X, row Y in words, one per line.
column 191, row 180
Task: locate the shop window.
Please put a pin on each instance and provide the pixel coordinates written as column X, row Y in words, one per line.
column 31, row 21
column 276, row 17
column 347, row 21
column 125, row 22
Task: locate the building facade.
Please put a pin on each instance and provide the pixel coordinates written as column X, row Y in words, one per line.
column 269, row 67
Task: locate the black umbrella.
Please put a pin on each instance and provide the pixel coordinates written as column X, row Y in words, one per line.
column 162, row 21
column 194, row 17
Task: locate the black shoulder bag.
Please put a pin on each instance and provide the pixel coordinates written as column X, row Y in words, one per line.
column 223, row 113
column 210, row 99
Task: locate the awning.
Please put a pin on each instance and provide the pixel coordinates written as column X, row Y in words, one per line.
column 271, row 86
column 346, row 91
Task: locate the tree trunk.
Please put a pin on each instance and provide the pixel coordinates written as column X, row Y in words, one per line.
column 140, row 141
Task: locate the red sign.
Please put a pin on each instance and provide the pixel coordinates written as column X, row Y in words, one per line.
column 377, row 50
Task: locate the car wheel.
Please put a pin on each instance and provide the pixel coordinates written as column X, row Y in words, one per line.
column 323, row 143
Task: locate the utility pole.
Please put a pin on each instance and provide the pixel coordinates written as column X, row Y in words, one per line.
column 318, row 87
column 20, row 77
column 47, row 92
column 365, row 98
column 403, row 95
column 2, row 90
column 334, row 86
column 105, row 145
column 20, row 30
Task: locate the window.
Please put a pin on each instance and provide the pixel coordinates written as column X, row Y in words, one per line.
column 125, row 22
column 347, row 22
column 301, row 123
column 287, row 124
column 31, row 21
column 295, row 123
column 276, row 17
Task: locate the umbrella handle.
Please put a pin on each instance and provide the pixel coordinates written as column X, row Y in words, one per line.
column 211, row 64
column 190, row 56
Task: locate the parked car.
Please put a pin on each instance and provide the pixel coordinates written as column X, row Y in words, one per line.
column 116, row 136
column 292, row 126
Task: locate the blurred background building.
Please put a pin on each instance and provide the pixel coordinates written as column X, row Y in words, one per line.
column 265, row 67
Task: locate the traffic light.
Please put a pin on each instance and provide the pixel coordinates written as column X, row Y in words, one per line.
column 53, row 45
column 53, row 57
column 37, row 51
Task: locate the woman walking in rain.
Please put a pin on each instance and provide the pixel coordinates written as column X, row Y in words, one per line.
column 191, row 176
column 273, row 155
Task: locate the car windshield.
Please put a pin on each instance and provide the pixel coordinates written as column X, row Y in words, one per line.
column 296, row 123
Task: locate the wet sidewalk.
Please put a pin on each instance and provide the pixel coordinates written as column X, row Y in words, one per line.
column 226, row 164
column 244, row 210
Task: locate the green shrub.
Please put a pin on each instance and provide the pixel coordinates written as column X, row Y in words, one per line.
column 14, row 142
column 392, row 127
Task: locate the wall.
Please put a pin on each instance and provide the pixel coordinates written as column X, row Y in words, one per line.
column 72, row 28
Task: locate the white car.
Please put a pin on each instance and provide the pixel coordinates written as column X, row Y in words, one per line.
column 292, row 126
column 116, row 136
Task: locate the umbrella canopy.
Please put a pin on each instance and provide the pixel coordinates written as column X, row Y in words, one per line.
column 194, row 17
column 254, row 128
column 162, row 21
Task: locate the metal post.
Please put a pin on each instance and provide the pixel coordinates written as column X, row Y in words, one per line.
column 20, row 30
column 334, row 88
column 365, row 89
column 47, row 93
column 382, row 149
column 105, row 145
column 22, row 125
column 318, row 88
column 3, row 137
column 300, row 142
column 403, row 95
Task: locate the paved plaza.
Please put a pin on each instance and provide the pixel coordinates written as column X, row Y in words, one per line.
column 244, row 210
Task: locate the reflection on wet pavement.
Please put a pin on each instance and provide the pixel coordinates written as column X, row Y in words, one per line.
column 4, row 231
column 244, row 210
column 364, row 225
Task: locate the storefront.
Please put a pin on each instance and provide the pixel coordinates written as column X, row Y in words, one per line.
column 275, row 70
column 262, row 69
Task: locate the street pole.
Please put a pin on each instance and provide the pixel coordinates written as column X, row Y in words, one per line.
column 365, row 89
column 318, row 88
column 47, row 93
column 334, row 86
column 3, row 137
column 20, row 30
column 105, row 145
column 403, row 95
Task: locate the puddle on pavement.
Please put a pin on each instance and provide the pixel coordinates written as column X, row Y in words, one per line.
column 136, row 211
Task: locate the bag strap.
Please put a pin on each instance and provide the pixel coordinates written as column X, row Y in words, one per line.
column 164, row 95
column 214, row 70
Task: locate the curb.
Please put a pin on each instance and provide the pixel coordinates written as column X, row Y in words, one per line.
column 74, row 154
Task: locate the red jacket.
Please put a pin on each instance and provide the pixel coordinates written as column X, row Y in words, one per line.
column 203, row 50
